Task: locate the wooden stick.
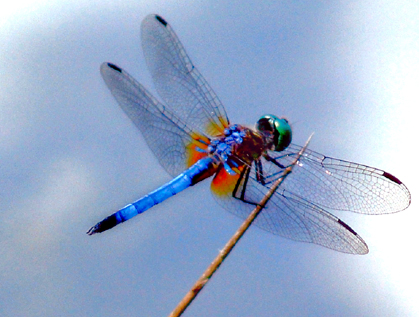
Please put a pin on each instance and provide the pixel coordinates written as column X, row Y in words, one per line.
column 203, row 280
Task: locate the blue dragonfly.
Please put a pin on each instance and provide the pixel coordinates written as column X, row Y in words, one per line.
column 193, row 139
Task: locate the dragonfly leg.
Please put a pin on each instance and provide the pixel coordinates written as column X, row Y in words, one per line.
column 272, row 160
column 259, row 172
column 240, row 188
column 239, row 191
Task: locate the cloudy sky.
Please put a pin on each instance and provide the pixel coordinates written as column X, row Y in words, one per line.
column 69, row 157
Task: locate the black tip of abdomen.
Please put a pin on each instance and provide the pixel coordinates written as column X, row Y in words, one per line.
column 104, row 225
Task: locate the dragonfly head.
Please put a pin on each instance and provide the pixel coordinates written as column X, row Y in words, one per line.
column 278, row 130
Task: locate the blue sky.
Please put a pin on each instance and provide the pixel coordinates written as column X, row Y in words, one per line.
column 69, row 157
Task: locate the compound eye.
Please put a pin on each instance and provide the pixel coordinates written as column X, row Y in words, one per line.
column 284, row 134
column 280, row 129
column 265, row 124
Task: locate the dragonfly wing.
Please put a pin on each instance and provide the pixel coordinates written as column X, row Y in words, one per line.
column 342, row 185
column 286, row 214
column 178, row 81
column 171, row 140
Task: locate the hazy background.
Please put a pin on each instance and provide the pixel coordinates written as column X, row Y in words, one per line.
column 347, row 71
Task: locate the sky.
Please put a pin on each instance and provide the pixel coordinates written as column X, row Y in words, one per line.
column 347, row 71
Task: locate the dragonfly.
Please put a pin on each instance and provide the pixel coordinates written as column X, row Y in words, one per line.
column 193, row 139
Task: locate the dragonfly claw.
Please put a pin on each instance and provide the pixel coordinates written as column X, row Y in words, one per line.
column 92, row 230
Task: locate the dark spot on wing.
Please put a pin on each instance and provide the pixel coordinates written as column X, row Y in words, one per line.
column 161, row 20
column 115, row 67
column 392, row 178
column 347, row 227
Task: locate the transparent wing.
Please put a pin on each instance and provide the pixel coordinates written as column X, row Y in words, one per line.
column 178, row 81
column 286, row 214
column 340, row 185
column 170, row 139
column 317, row 182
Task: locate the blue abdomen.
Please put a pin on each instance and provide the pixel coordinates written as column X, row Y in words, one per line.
column 191, row 176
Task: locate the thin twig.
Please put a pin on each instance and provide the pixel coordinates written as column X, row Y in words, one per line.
column 200, row 283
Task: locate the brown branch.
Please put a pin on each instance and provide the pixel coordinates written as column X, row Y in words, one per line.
column 200, row 283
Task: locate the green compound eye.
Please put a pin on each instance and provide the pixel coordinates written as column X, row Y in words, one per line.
column 280, row 129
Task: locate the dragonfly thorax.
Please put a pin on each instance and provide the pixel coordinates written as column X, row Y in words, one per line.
column 238, row 145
